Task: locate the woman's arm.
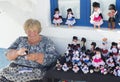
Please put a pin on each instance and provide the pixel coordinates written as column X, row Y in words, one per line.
column 12, row 54
column 37, row 57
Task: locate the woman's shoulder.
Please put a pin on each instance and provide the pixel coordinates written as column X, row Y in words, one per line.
column 46, row 39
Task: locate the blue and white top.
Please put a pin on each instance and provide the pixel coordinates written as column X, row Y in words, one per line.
column 28, row 70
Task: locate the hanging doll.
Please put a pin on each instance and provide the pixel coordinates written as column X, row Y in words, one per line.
column 57, row 20
column 96, row 16
column 70, row 18
column 112, row 12
column 83, row 45
column 97, row 59
column 104, row 48
column 75, row 68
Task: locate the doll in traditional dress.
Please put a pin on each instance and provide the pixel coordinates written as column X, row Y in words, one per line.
column 75, row 58
column 118, row 60
column 70, row 18
column 83, row 45
column 104, row 48
column 58, row 65
column 57, row 18
column 84, row 68
column 92, row 49
column 97, row 60
column 116, row 71
column 86, row 60
column 75, row 41
column 96, row 16
column 110, row 61
column 112, row 12
column 65, row 67
column 103, row 70
column 114, row 49
column 75, row 68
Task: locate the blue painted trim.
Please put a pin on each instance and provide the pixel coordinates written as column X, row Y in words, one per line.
column 85, row 10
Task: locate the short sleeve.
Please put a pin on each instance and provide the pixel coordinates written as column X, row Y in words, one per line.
column 15, row 44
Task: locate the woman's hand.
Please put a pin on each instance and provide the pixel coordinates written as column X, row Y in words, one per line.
column 13, row 54
column 38, row 57
column 21, row 51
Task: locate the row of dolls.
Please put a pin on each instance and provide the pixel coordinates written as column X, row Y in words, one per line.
column 96, row 17
column 96, row 59
column 70, row 20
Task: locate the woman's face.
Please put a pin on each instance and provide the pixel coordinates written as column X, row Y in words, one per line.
column 32, row 32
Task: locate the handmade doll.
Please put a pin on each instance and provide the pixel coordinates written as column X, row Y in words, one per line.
column 114, row 49
column 75, row 59
column 118, row 60
column 116, row 71
column 92, row 49
column 65, row 67
column 70, row 18
column 87, row 60
column 112, row 12
column 83, row 45
column 84, row 68
column 103, row 70
column 75, row 41
column 110, row 61
column 97, row 59
column 58, row 65
column 104, row 48
column 96, row 16
column 75, row 68
column 57, row 18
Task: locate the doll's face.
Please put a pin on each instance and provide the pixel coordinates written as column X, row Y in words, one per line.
column 96, row 8
column 75, row 41
column 114, row 46
column 97, row 52
column 92, row 46
column 57, row 12
column 70, row 12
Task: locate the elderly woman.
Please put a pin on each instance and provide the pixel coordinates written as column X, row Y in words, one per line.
column 30, row 55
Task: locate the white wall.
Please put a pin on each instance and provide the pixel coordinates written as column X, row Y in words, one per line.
column 15, row 12
column 12, row 18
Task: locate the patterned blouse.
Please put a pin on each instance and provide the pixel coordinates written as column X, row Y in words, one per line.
column 27, row 70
